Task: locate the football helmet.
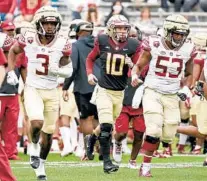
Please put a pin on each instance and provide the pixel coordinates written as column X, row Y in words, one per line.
column 47, row 14
column 118, row 21
column 200, row 40
column 72, row 27
column 24, row 26
column 176, row 24
column 135, row 32
column 84, row 26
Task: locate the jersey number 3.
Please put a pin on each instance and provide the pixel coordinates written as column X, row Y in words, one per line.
column 45, row 64
column 164, row 72
column 115, row 64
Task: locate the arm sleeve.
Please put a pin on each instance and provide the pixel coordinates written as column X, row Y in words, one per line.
column 21, row 41
column 136, row 55
column 90, row 60
column 75, row 63
column 7, row 43
column 146, row 44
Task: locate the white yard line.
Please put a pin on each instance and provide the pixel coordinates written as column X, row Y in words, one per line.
column 18, row 165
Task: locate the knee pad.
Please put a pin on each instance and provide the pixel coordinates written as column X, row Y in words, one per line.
column 106, row 130
column 152, row 140
column 185, row 120
column 151, row 143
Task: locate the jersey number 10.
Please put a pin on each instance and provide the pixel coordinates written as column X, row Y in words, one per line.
column 115, row 64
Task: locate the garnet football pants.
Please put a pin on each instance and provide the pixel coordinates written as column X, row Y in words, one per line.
column 5, row 170
column 9, row 112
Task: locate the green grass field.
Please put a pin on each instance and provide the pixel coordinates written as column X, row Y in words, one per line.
column 176, row 168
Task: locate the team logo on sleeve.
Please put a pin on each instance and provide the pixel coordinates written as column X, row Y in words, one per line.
column 156, row 44
column 30, row 40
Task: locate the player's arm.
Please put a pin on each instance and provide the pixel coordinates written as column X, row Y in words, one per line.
column 64, row 69
column 2, row 66
column 197, row 69
column 143, row 60
column 75, row 65
column 90, row 60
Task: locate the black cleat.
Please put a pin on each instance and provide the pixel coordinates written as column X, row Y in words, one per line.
column 100, row 157
column 42, row 177
column 109, row 167
column 205, row 163
column 34, row 162
column 90, row 146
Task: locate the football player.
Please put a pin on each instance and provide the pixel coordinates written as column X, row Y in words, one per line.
column 199, row 103
column 169, row 58
column 6, row 173
column 113, row 49
column 48, row 57
column 127, row 114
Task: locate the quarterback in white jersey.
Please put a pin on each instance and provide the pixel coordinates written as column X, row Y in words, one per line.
column 48, row 58
column 169, row 58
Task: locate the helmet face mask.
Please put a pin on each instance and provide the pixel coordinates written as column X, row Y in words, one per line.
column 176, row 29
column 118, row 28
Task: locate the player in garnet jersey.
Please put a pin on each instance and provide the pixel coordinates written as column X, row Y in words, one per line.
column 48, row 58
column 170, row 58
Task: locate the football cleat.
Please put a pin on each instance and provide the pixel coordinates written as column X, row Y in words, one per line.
column 109, row 167
column 132, row 164
column 117, row 152
column 142, row 174
column 42, row 177
column 90, row 146
column 40, row 171
column 34, row 162
column 205, row 163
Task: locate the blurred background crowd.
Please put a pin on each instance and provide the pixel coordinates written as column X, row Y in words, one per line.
column 148, row 15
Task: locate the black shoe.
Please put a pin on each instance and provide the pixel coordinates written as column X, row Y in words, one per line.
column 90, row 146
column 100, row 157
column 205, row 163
column 109, row 167
column 42, row 177
column 34, row 162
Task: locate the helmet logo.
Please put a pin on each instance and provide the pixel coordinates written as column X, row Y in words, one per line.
column 30, row 40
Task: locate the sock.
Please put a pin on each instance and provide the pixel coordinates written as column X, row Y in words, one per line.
column 74, row 134
column 66, row 136
column 124, row 142
column 183, row 138
column 35, row 149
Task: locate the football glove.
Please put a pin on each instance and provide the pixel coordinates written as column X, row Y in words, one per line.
column 12, row 78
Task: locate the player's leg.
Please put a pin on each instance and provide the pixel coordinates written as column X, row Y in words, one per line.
column 67, row 109
column 121, row 129
column 34, row 107
column 171, row 121
column 6, row 172
column 153, row 115
column 105, row 105
column 51, row 108
column 185, row 115
column 138, row 129
column 10, row 127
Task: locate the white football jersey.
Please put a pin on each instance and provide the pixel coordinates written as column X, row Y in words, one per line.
column 167, row 66
column 39, row 57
